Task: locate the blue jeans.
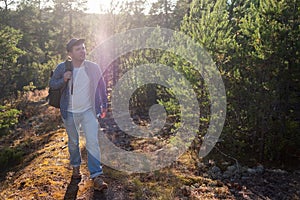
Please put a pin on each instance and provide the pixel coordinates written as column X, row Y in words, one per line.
column 90, row 126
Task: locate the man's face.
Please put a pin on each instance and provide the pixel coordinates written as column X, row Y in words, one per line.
column 78, row 52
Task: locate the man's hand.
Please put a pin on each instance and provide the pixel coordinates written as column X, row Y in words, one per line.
column 67, row 76
column 103, row 113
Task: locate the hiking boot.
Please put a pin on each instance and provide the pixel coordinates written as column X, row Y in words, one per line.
column 99, row 184
column 76, row 173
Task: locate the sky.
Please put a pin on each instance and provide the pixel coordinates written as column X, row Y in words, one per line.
column 94, row 6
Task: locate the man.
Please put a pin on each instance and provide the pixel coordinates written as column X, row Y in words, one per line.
column 83, row 100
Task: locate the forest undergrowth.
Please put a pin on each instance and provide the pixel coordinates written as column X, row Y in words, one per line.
column 38, row 168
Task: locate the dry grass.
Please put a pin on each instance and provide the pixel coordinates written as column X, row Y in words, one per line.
column 45, row 173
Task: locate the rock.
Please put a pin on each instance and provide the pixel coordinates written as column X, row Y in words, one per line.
column 215, row 172
column 231, row 172
column 225, row 164
column 245, row 178
column 201, row 165
column 260, row 169
column 279, row 171
column 256, row 170
column 215, row 169
column 232, row 168
column 251, row 171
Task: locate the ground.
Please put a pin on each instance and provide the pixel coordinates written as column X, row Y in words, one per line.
column 44, row 171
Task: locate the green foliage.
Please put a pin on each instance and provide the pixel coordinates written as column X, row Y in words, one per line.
column 8, row 118
column 9, row 40
column 29, row 87
column 266, row 45
column 9, row 52
column 256, row 48
column 10, row 156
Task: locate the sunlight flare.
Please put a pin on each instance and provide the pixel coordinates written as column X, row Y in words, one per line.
column 98, row 6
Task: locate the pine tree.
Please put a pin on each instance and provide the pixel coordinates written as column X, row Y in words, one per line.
column 9, row 52
column 269, row 42
column 255, row 45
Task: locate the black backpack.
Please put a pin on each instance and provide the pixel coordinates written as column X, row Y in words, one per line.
column 54, row 95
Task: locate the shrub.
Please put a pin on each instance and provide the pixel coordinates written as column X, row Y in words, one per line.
column 10, row 156
column 8, row 118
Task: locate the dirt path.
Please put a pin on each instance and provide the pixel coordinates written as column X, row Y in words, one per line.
column 44, row 173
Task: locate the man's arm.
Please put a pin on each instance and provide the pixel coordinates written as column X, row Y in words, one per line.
column 103, row 96
column 57, row 79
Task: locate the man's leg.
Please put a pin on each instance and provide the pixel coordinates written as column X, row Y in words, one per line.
column 72, row 127
column 90, row 127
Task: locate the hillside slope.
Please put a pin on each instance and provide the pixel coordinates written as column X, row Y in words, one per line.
column 44, row 171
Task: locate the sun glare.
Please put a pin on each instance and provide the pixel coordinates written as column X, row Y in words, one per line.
column 93, row 6
column 100, row 6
